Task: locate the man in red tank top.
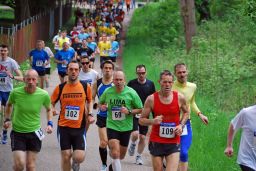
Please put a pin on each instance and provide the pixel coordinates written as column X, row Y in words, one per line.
column 166, row 106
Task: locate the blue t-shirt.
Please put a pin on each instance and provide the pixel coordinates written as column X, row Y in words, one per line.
column 39, row 57
column 92, row 45
column 83, row 36
column 101, row 88
column 114, row 47
column 64, row 55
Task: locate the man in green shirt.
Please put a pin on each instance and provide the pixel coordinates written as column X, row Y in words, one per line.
column 121, row 103
column 27, row 134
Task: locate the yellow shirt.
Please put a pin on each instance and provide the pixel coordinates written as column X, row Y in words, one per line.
column 61, row 41
column 104, row 47
column 112, row 31
column 188, row 90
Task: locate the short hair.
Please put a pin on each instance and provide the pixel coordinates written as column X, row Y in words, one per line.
column 85, row 57
column 141, row 66
column 178, row 65
column 107, row 62
column 4, row 46
column 74, row 62
column 165, row 72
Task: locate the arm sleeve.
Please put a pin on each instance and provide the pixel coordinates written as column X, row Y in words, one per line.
column 103, row 97
column 89, row 94
column 193, row 105
column 11, row 97
column 55, row 95
column 47, row 101
column 238, row 120
column 137, row 103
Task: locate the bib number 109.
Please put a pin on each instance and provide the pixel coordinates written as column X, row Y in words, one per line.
column 166, row 130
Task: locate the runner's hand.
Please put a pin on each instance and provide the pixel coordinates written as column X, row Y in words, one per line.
column 178, row 129
column 203, row 118
column 157, row 120
column 229, row 151
column 91, row 119
column 54, row 112
column 103, row 107
column 124, row 110
column 7, row 124
column 49, row 129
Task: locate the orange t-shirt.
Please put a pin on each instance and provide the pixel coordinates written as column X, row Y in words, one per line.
column 72, row 102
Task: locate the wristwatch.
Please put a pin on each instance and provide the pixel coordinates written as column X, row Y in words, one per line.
column 90, row 114
column 130, row 111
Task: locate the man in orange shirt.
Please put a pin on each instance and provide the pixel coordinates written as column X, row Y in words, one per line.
column 75, row 110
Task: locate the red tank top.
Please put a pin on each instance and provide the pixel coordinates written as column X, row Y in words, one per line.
column 164, row 133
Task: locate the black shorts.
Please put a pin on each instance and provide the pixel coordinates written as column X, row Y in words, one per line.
column 48, row 71
column 123, row 137
column 25, row 142
column 72, row 138
column 161, row 149
column 62, row 74
column 246, row 168
column 101, row 121
column 41, row 73
column 143, row 130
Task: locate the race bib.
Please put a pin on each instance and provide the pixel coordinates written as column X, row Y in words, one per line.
column 40, row 134
column 116, row 114
column 84, row 54
column 39, row 63
column 167, row 130
column 64, row 65
column 72, row 112
column 105, row 52
column 185, row 131
column 3, row 80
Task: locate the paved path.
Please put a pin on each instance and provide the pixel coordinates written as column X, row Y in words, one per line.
column 49, row 157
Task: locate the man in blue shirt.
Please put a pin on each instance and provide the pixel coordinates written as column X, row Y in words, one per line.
column 62, row 58
column 38, row 60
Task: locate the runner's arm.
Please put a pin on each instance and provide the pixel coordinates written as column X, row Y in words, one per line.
column 7, row 115
column 148, row 107
column 229, row 149
column 18, row 75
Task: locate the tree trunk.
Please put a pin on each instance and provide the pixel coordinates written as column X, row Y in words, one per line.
column 22, row 11
column 188, row 16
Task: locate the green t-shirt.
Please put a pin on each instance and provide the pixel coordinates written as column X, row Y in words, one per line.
column 27, row 108
column 127, row 98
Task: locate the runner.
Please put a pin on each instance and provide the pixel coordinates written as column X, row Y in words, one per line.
column 8, row 66
column 246, row 120
column 63, row 38
column 97, row 89
column 113, row 54
column 121, row 102
column 188, row 90
column 75, row 107
column 166, row 105
column 26, row 135
column 144, row 88
column 39, row 59
column 62, row 58
column 47, row 67
column 86, row 73
column 104, row 48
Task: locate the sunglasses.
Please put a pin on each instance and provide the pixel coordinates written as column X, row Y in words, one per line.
column 141, row 73
column 83, row 63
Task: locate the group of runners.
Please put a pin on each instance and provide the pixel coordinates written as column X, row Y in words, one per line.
column 126, row 113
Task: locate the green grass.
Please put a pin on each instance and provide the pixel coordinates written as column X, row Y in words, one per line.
column 220, row 64
column 7, row 14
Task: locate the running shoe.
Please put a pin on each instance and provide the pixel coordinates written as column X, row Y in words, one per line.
column 75, row 166
column 103, row 168
column 139, row 160
column 132, row 149
column 4, row 137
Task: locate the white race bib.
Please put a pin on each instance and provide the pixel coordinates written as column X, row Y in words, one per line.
column 40, row 134
column 166, row 130
column 3, row 80
column 39, row 63
column 138, row 115
column 64, row 65
column 185, row 130
column 72, row 112
column 116, row 114
column 84, row 54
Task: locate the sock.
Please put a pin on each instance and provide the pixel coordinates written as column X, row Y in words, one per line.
column 103, row 155
column 116, row 164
